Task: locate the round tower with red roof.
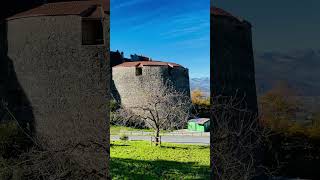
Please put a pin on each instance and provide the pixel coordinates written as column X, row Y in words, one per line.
column 131, row 79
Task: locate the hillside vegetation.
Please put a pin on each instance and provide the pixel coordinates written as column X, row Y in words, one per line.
column 296, row 143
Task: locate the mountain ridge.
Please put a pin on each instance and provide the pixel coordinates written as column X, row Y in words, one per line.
column 298, row 68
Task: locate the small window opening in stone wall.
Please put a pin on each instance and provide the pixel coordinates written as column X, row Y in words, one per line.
column 92, row 32
column 138, row 71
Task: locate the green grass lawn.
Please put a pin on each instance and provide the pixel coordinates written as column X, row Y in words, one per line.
column 140, row 160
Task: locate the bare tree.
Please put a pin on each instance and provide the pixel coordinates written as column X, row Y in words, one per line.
column 237, row 141
column 126, row 117
column 164, row 107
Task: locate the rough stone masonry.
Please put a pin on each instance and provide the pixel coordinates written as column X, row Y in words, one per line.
column 132, row 79
column 59, row 54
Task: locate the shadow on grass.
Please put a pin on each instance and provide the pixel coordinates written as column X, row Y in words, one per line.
column 173, row 147
column 119, row 145
column 204, row 147
column 157, row 169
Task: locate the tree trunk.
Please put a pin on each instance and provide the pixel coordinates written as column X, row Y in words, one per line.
column 157, row 136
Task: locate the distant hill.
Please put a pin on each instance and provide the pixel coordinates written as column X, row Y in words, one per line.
column 299, row 68
column 201, row 83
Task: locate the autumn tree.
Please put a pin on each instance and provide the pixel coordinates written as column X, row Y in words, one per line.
column 278, row 106
column 198, row 98
column 201, row 103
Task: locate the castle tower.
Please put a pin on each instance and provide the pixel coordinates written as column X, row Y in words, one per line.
column 59, row 53
column 232, row 61
column 131, row 78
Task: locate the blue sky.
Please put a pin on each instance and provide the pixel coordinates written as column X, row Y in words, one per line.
column 167, row 30
column 279, row 25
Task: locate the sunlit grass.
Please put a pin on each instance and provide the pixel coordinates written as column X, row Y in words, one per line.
column 140, row 160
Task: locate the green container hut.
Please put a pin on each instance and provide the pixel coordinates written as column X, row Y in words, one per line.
column 199, row 125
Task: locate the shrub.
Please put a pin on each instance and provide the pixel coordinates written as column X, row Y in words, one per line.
column 314, row 132
column 278, row 108
column 201, row 104
column 198, row 98
column 296, row 129
column 114, row 105
column 124, row 137
column 12, row 139
column 5, row 172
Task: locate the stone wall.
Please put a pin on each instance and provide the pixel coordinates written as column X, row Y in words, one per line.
column 3, row 62
column 130, row 89
column 9, row 8
column 232, row 61
column 64, row 81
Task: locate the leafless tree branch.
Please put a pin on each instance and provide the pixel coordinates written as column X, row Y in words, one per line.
column 237, row 139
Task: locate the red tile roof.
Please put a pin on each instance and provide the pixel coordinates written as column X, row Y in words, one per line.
column 81, row 8
column 147, row 63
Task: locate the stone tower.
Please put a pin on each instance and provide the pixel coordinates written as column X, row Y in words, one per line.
column 232, row 61
column 59, row 54
column 131, row 78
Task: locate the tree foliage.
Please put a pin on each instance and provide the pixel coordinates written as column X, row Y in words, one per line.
column 278, row 107
column 198, row 98
column 201, row 103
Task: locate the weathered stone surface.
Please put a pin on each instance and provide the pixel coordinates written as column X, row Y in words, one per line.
column 3, row 62
column 57, row 85
column 130, row 89
column 62, row 79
